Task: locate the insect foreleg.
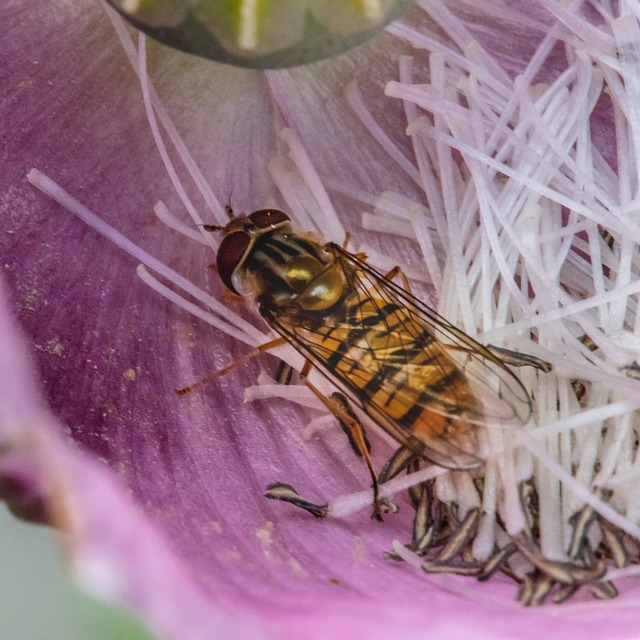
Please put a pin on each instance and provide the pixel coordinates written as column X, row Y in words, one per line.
column 339, row 406
column 395, row 272
column 272, row 344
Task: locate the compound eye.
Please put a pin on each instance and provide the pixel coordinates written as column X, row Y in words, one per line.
column 230, row 254
column 264, row 218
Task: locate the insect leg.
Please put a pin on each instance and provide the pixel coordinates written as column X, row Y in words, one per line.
column 340, row 408
column 517, row 359
column 514, row 358
column 395, row 272
column 507, row 356
column 355, row 443
column 272, row 344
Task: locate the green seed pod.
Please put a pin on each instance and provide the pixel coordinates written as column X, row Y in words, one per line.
column 260, row 33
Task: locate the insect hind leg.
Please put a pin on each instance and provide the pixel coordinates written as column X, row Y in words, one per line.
column 518, row 359
column 351, row 425
column 513, row 358
column 242, row 360
column 339, row 406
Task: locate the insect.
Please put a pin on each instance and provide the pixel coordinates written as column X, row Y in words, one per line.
column 424, row 381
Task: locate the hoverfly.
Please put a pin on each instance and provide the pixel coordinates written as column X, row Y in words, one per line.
column 425, row 382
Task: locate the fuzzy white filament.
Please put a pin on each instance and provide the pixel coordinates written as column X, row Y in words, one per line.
column 537, row 186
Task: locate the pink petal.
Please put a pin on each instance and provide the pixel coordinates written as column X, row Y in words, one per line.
column 187, row 539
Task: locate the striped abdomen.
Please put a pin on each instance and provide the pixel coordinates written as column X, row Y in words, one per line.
column 394, row 365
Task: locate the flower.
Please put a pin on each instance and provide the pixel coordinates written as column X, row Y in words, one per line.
column 160, row 496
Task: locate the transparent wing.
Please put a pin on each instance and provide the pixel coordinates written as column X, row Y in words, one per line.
column 420, row 378
column 504, row 398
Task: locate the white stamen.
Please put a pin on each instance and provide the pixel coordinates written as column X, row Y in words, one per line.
column 179, row 145
column 248, row 333
column 164, row 215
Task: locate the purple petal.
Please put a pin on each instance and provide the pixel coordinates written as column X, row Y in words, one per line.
column 111, row 353
column 103, row 528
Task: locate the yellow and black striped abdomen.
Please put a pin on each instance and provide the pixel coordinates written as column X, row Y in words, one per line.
column 396, row 367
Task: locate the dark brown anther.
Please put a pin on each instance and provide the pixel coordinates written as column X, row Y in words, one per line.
column 397, row 463
column 603, row 590
column 564, row 593
column 460, row 537
column 612, row 540
column 541, row 588
column 525, row 592
column 497, row 560
column 564, row 572
column 461, row 569
column 286, row 493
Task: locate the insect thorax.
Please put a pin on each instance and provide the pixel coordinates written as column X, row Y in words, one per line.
column 292, row 274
